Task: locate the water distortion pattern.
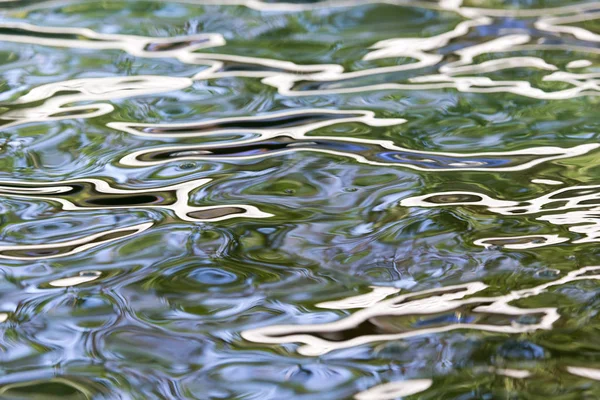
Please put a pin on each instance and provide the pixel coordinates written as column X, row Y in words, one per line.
column 246, row 199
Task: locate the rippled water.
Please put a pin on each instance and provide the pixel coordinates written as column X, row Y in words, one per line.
column 246, row 199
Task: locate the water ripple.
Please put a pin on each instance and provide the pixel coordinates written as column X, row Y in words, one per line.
column 200, row 197
column 62, row 249
column 363, row 327
column 96, row 194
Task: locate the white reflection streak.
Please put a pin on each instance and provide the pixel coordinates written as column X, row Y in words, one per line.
column 502, row 44
column 283, row 80
column 416, row 48
column 90, row 89
column 573, row 197
column 134, row 45
column 483, row 200
column 138, row 46
column 512, row 373
column 393, row 390
column 586, row 222
column 83, row 277
column 579, row 64
column 523, row 243
column 556, row 154
column 455, row 5
column 180, row 207
column 436, row 303
column 543, row 154
column 589, row 373
column 78, row 245
column 557, row 25
column 377, row 294
column 546, row 181
column 531, row 13
column 288, row 73
column 267, row 6
column 297, row 132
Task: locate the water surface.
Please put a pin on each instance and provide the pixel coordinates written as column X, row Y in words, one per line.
column 246, row 199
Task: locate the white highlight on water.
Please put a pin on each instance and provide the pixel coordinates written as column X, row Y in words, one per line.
column 393, row 390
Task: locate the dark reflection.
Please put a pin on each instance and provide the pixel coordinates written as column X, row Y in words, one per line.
column 454, row 198
column 263, row 122
column 73, row 113
column 364, row 329
column 38, row 253
column 125, row 200
column 372, row 153
column 216, row 213
column 568, row 194
column 69, row 247
column 263, row 147
column 21, row 31
column 241, row 67
column 509, row 241
column 174, row 45
column 87, row 194
column 382, row 325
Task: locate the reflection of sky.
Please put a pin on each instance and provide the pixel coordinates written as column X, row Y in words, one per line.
column 441, row 162
column 503, row 26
